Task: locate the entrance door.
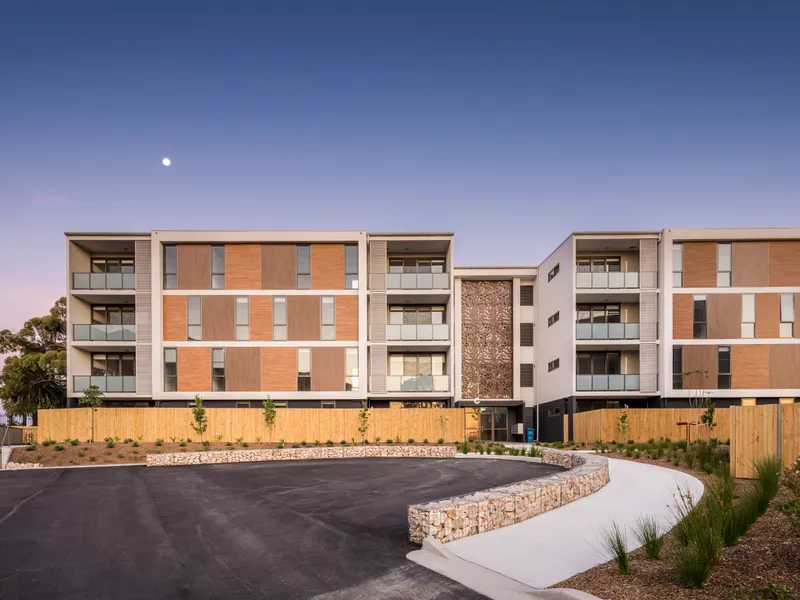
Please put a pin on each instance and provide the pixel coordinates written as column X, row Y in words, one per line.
column 494, row 424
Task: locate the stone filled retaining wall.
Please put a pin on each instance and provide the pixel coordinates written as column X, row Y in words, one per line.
column 461, row 516
column 314, row 453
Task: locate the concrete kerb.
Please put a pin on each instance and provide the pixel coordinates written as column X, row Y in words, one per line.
column 454, row 518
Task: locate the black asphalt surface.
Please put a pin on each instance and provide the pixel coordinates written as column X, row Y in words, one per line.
column 315, row 529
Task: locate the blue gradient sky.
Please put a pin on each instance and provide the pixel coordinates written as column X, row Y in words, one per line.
column 510, row 123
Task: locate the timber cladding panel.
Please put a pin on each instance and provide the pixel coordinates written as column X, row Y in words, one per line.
column 194, row 266
column 487, row 339
column 303, row 318
column 699, row 264
column 784, row 263
column 327, row 369
column 260, row 318
column 279, row 369
column 700, row 358
column 724, row 316
column 218, row 318
column 242, row 369
column 750, row 366
column 278, row 266
column 784, row 366
column 194, row 369
column 347, row 318
column 243, row 266
column 750, row 264
column 796, row 315
column 327, row 266
column 768, row 315
column 174, row 318
column 682, row 316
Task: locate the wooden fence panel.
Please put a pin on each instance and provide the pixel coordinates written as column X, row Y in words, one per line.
column 755, row 437
column 648, row 423
column 790, row 433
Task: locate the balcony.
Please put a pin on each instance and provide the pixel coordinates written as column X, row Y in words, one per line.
column 418, row 383
column 418, row 332
column 418, row 281
column 103, row 281
column 104, row 333
column 607, row 281
column 607, row 331
column 106, row 383
column 607, row 383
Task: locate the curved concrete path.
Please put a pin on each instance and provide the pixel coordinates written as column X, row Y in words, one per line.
column 552, row 547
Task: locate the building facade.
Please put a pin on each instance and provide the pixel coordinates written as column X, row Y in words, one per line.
column 334, row 319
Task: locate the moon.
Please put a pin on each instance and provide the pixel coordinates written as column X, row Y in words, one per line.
column 166, row 162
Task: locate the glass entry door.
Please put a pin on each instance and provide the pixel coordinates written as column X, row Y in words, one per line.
column 494, row 424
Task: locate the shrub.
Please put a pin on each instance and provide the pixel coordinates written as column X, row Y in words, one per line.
column 280, row 444
column 329, row 443
column 465, row 447
column 38, row 457
column 136, row 444
column 159, row 442
column 92, row 458
column 535, row 452
column 59, row 448
column 45, row 443
column 127, row 440
column 189, row 440
column 135, row 451
column 629, row 451
column 742, row 515
column 499, row 450
column 425, row 441
column 615, row 544
column 295, row 445
column 228, row 444
column 120, row 455
column 30, row 448
column 636, row 454
column 245, row 445
column 699, row 531
column 388, row 441
column 81, row 454
column 410, row 440
column 768, row 474
column 109, row 443
column 182, row 444
column 771, row 592
column 440, row 441
column 73, row 442
column 204, row 443
column 688, row 456
column 650, row 535
column 480, row 448
column 303, row 444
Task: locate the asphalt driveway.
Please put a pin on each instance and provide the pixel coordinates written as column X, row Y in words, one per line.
column 315, row 529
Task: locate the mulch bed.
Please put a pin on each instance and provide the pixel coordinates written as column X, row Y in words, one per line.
column 768, row 553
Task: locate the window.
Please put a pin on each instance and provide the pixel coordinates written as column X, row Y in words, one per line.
column 552, row 320
column 328, row 318
column 787, row 315
column 724, row 367
column 303, row 267
column 194, row 318
column 526, row 375
column 113, row 365
column 598, row 313
column 303, row 370
column 526, row 295
column 279, row 318
column 700, row 329
column 170, row 370
column 677, row 265
column 217, row 267
column 677, row 367
column 281, row 403
column 218, row 369
column 748, row 315
column 599, row 363
column 242, row 318
column 553, row 272
column 553, row 365
column 170, row 267
column 724, row 265
column 553, row 412
column 112, row 265
column 351, row 369
column 351, row 267
column 417, row 372
column 328, row 404
column 611, row 264
column 526, row 334
column 242, row 405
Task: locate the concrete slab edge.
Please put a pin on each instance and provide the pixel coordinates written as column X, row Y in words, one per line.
column 435, row 556
column 40, row 468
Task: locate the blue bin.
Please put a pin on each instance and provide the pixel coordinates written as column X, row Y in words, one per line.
column 529, row 437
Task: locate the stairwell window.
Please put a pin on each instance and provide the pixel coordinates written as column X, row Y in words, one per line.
column 553, row 365
column 217, row 267
column 218, row 369
column 279, row 318
column 194, row 318
column 700, row 312
column 170, row 267
column 328, row 318
column 304, row 267
column 677, row 367
column 351, row 267
column 526, row 295
column 242, row 318
column 724, row 265
column 526, row 334
column 677, row 265
column 748, row 315
column 787, row 315
column 526, row 375
column 724, row 367
column 553, row 272
column 303, row 369
column 553, row 319
column 170, row 370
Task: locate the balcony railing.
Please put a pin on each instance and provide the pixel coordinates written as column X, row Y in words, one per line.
column 418, row 332
column 104, row 333
column 419, row 383
column 607, row 281
column 418, row 281
column 103, row 281
column 106, row 383
column 607, row 383
column 607, row 331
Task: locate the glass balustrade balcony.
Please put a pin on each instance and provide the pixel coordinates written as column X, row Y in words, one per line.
column 418, row 383
column 607, row 331
column 106, row 383
column 418, row 332
column 103, row 281
column 418, row 281
column 104, row 333
column 607, row 383
column 607, row 281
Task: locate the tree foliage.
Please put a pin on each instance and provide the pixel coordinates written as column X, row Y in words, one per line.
column 35, row 372
column 200, row 424
column 269, row 415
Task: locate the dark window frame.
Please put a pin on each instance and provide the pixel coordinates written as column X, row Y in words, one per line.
column 526, row 375
column 170, row 281
column 677, row 360
column 304, row 377
column 525, row 336
column 170, row 380
column 553, row 272
column 189, row 323
column 553, row 319
column 217, row 371
column 526, row 295
column 553, row 365
column 724, row 376
column 350, row 275
column 239, row 324
column 306, row 283
column 216, row 274
column 700, row 309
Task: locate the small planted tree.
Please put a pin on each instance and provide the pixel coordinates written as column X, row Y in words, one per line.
column 200, row 424
column 92, row 397
column 363, row 421
column 707, row 418
column 269, row 416
column 622, row 425
column 443, row 420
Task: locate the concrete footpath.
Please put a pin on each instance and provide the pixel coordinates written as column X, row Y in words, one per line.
column 552, row 547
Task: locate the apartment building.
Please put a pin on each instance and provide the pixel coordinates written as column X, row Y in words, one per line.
column 334, row 319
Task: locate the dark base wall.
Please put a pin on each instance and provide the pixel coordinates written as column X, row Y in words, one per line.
column 551, row 420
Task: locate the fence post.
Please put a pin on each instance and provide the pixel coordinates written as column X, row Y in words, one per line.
column 779, row 434
column 733, row 440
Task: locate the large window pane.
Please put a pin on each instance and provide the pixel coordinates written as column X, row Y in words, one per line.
column 787, row 308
